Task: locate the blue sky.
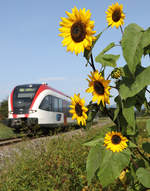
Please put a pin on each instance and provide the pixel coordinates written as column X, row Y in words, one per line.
column 31, row 50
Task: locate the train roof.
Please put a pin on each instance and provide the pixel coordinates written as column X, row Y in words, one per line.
column 44, row 85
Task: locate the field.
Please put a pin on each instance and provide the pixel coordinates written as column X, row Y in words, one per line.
column 55, row 164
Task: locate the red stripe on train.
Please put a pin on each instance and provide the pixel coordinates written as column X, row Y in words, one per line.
column 11, row 103
column 42, row 88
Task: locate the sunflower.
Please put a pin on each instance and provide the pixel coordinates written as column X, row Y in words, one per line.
column 115, row 141
column 77, row 30
column 99, row 88
column 115, row 15
column 78, row 109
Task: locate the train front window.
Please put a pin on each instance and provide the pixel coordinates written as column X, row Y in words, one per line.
column 23, row 97
column 26, row 92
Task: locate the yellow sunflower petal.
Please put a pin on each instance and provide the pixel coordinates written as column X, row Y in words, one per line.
column 115, row 142
column 115, row 16
column 78, row 109
column 99, row 88
column 78, row 19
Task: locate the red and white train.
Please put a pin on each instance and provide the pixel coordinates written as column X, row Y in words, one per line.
column 38, row 104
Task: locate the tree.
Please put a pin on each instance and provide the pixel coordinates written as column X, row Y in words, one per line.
column 4, row 109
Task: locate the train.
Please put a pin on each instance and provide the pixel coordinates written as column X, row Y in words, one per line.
column 38, row 104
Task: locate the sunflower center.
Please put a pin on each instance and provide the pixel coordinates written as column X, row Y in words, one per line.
column 116, row 15
column 78, row 109
column 78, row 31
column 99, row 88
column 116, row 139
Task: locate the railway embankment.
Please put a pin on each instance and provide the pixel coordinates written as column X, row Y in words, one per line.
column 8, row 152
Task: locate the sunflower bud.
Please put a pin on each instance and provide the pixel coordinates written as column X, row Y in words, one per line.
column 123, row 176
column 116, row 73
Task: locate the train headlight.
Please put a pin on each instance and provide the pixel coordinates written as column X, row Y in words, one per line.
column 11, row 112
column 32, row 111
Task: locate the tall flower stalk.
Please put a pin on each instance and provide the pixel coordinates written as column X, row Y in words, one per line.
column 116, row 152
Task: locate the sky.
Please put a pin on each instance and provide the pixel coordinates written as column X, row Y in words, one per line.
column 31, row 50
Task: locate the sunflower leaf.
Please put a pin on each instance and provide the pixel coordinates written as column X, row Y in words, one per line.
column 93, row 162
column 128, row 113
column 148, row 126
column 147, row 50
column 146, row 40
column 132, row 46
column 128, row 89
column 111, row 165
column 144, row 176
column 97, row 140
column 146, row 147
column 107, row 59
column 92, row 111
column 111, row 45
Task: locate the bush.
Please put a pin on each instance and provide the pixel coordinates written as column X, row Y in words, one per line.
column 4, row 109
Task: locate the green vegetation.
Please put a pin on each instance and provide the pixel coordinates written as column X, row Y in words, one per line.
column 56, row 165
column 7, row 132
column 4, row 109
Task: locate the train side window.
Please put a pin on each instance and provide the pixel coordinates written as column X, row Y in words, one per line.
column 60, row 105
column 45, row 104
column 68, row 108
column 50, row 102
column 54, row 104
column 64, row 106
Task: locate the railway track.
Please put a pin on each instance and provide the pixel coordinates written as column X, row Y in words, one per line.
column 10, row 141
column 4, row 142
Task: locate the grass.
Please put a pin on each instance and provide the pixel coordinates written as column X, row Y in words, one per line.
column 6, row 132
column 53, row 165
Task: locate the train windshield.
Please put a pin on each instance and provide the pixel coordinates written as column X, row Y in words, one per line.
column 23, row 97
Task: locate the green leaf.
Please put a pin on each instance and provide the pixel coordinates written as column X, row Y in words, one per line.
column 131, row 144
column 129, row 115
column 92, row 111
column 94, row 142
column 93, row 162
column 146, row 147
column 107, row 59
column 148, row 126
column 139, row 99
column 144, row 177
column 87, row 53
column 116, row 112
column 142, row 80
column 146, row 38
column 111, row 165
column 110, row 46
column 146, row 42
column 147, row 50
column 146, row 106
column 131, row 45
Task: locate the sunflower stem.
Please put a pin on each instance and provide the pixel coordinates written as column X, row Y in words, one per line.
column 113, row 87
column 110, row 116
column 92, row 63
column 136, row 166
column 108, row 76
column 147, row 90
column 144, row 157
column 121, row 30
